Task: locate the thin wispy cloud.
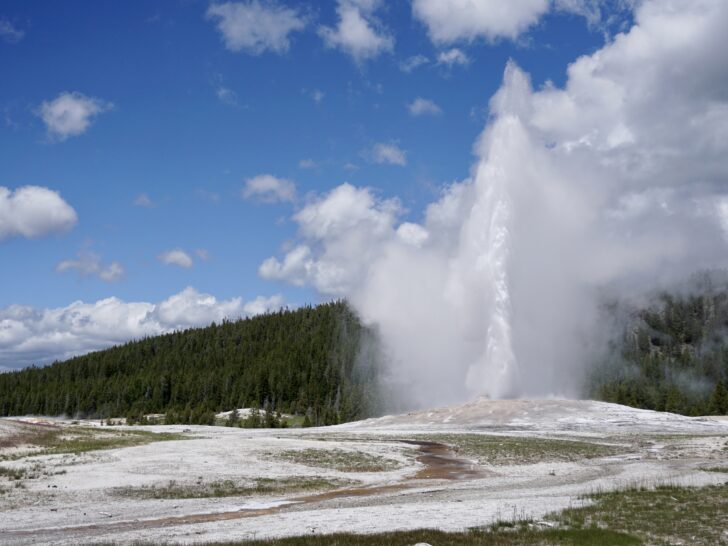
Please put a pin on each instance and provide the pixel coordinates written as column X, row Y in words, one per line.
column 453, row 57
column 9, row 33
column 412, row 63
column 317, row 95
column 388, row 154
column 423, row 107
column 143, row 200
column 266, row 188
column 207, row 195
column 89, row 264
column 227, row 95
column 177, row 257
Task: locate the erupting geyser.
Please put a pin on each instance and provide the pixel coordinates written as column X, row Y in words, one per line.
column 604, row 188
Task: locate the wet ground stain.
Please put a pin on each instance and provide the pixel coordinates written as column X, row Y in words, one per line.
column 440, row 463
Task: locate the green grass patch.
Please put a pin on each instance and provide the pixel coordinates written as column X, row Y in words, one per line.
column 82, row 440
column 75, row 440
column 714, row 469
column 230, row 488
column 509, row 450
column 661, row 516
column 31, row 472
column 339, row 459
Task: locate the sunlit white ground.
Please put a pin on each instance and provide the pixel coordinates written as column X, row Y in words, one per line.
column 82, row 505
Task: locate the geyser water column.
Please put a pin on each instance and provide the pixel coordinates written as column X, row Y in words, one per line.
column 479, row 273
column 485, row 302
column 514, row 278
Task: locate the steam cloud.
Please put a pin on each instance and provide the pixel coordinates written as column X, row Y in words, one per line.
column 610, row 186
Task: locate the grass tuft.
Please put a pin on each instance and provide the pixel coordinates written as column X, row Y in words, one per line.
column 339, row 459
column 516, row 450
column 230, row 488
column 39, row 440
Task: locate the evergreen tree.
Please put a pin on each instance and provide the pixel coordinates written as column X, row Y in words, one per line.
column 718, row 404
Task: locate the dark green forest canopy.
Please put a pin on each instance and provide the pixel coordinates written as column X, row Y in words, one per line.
column 309, row 360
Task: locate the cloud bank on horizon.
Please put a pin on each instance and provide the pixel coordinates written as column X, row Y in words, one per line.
column 606, row 183
column 29, row 335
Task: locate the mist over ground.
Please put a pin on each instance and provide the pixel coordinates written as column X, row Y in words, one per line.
column 609, row 187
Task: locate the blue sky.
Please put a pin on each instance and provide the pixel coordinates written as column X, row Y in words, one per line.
column 176, row 119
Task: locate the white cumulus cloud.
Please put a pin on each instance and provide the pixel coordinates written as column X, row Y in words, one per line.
column 176, row 257
column 71, row 114
column 256, row 26
column 262, row 305
column 351, row 223
column 267, row 188
column 33, row 211
column 358, row 32
column 449, row 21
column 412, row 234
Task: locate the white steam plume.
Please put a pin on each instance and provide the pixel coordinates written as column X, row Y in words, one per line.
column 613, row 185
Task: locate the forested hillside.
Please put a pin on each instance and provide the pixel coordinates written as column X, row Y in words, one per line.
column 673, row 356
column 308, row 361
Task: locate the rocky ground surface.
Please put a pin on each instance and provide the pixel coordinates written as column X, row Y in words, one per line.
column 75, row 482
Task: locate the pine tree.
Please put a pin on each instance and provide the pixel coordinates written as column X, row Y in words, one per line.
column 718, row 404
